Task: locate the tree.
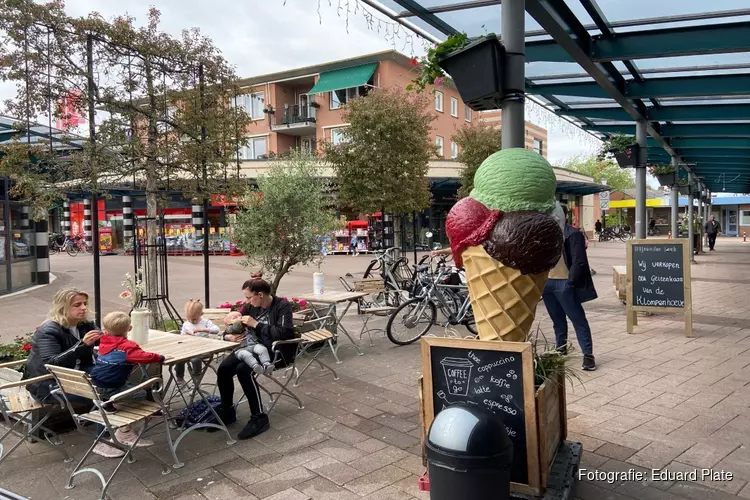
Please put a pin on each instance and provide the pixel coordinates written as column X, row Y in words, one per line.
column 616, row 177
column 280, row 224
column 476, row 142
column 383, row 159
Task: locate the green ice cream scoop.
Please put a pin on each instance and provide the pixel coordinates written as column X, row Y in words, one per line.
column 515, row 179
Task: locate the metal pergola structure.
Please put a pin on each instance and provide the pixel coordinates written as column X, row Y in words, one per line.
column 677, row 78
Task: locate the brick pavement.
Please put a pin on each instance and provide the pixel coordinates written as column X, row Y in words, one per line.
column 658, row 400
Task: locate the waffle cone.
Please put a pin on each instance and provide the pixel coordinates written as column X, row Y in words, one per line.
column 504, row 300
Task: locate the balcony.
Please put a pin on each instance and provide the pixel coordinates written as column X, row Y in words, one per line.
column 295, row 120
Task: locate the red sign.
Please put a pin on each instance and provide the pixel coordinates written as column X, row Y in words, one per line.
column 105, row 239
column 67, row 108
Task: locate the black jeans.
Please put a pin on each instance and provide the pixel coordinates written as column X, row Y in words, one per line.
column 230, row 367
column 711, row 240
column 196, row 365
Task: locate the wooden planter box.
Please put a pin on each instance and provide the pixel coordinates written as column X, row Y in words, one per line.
column 552, row 430
column 477, row 70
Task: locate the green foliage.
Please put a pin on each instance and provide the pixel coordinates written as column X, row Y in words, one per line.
column 660, row 169
column 280, row 223
column 476, row 142
column 430, row 71
column 17, row 350
column 615, row 144
column 611, row 220
column 34, row 174
column 616, row 177
column 383, row 161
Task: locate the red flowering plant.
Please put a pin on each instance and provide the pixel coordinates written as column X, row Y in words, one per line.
column 232, row 307
column 297, row 304
column 17, row 350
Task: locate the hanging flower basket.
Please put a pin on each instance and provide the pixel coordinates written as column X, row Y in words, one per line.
column 628, row 157
column 666, row 179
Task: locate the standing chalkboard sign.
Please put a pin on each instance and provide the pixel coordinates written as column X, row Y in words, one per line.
column 498, row 376
column 659, row 279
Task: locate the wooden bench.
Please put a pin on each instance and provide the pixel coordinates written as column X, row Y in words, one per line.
column 620, row 282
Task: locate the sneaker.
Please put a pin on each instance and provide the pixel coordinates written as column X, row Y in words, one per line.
column 228, row 416
column 563, row 349
column 258, row 424
column 268, row 369
column 589, row 363
column 107, row 451
column 258, row 369
column 129, row 437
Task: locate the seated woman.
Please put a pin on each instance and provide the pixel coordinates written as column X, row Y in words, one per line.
column 65, row 339
column 269, row 318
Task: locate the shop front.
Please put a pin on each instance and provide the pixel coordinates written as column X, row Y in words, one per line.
column 18, row 267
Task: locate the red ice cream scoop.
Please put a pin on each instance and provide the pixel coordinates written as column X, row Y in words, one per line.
column 468, row 224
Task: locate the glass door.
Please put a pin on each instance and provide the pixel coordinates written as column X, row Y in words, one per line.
column 731, row 218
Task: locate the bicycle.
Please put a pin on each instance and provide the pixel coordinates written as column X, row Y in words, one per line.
column 445, row 291
column 394, row 272
column 63, row 243
column 80, row 242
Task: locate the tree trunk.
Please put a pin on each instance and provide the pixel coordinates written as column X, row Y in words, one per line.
column 152, row 270
column 283, row 270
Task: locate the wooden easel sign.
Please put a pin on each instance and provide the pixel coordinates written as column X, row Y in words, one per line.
column 659, row 279
column 498, row 376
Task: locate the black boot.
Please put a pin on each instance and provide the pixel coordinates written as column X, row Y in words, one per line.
column 257, row 424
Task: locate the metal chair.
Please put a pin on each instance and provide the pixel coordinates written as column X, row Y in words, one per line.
column 23, row 415
column 77, row 383
column 386, row 301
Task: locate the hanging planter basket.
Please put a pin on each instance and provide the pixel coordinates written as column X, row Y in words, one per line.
column 683, row 189
column 666, row 179
column 477, row 70
column 628, row 157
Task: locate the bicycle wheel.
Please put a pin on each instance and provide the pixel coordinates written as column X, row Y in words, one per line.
column 374, row 266
column 411, row 315
column 72, row 249
column 470, row 321
column 53, row 248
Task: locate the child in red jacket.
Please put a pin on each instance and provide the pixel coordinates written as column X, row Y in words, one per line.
column 117, row 358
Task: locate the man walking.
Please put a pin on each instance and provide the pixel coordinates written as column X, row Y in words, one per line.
column 568, row 287
column 713, row 228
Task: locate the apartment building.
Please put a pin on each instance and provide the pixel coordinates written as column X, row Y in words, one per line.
column 302, row 107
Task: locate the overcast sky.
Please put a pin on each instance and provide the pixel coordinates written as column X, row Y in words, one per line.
column 265, row 36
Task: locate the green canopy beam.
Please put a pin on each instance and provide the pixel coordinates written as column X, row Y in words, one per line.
column 646, row 44
column 702, row 112
column 701, row 143
column 719, row 85
column 702, row 130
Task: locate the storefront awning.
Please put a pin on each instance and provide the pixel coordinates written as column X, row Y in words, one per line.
column 355, row 76
column 580, row 188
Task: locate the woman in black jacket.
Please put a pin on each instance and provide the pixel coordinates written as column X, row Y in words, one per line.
column 66, row 339
column 269, row 318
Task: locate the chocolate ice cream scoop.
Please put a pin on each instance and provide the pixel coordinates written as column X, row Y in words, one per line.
column 529, row 241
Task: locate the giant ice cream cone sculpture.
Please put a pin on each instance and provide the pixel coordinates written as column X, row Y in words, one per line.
column 505, row 237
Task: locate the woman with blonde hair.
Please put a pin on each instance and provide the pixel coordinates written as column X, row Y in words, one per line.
column 66, row 339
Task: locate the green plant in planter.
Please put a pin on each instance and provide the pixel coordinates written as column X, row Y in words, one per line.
column 550, row 364
column 17, row 350
column 615, row 144
column 660, row 169
column 430, row 71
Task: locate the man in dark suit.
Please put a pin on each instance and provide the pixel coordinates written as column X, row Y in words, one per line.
column 568, row 287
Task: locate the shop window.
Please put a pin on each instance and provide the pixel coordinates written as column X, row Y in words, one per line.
column 745, row 221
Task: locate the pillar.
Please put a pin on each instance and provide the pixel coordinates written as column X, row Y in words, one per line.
column 66, row 218
column 675, row 198
column 702, row 215
column 389, row 236
column 24, row 222
column 127, row 219
column 41, row 240
column 198, row 220
column 87, row 222
column 640, row 181
column 513, row 25
column 691, row 211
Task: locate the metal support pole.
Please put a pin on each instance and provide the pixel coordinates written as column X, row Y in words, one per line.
column 513, row 25
column 675, row 197
column 640, row 181
column 206, row 226
column 691, row 211
column 702, row 217
column 414, row 234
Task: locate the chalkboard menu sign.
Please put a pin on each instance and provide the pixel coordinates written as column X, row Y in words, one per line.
column 497, row 376
column 658, row 278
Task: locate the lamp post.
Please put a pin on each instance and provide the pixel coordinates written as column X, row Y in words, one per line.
column 604, row 212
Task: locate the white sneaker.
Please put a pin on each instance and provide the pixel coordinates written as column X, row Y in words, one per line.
column 107, row 451
column 129, row 437
column 268, row 369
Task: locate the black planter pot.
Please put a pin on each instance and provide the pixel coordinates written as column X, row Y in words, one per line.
column 666, row 179
column 629, row 157
column 477, row 70
column 682, row 189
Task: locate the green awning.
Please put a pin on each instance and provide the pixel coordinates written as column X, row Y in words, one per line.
column 355, row 76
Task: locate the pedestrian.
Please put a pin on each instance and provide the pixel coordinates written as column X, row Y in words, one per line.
column 353, row 245
column 713, row 228
column 598, row 226
column 568, row 287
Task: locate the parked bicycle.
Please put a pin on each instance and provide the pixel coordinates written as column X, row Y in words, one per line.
column 610, row 233
column 446, row 291
column 63, row 243
column 394, row 272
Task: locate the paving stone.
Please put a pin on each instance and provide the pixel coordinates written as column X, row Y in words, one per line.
column 378, row 459
column 276, row 464
column 712, row 479
column 694, row 491
column 187, row 483
column 376, row 480
column 737, row 462
column 243, row 472
column 393, row 437
column 283, row 482
column 371, row 445
column 289, row 494
column 388, row 493
column 321, row 488
column 655, row 456
column 339, row 450
column 615, row 451
column 707, row 453
column 361, row 409
column 333, row 470
column 223, row 490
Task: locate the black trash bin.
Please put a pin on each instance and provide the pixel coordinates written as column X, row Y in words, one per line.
column 469, row 455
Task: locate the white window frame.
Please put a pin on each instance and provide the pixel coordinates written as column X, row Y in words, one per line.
column 467, row 113
column 440, row 146
column 336, row 130
column 247, row 102
column 351, row 93
column 248, row 152
column 541, row 145
column 454, row 150
column 438, row 101
column 454, row 107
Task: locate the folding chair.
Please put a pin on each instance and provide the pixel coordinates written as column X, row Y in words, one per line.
column 78, row 383
column 23, row 415
column 381, row 306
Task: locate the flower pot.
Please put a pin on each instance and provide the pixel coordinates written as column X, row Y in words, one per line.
column 477, row 70
column 666, row 179
column 682, row 189
column 628, row 157
column 140, row 321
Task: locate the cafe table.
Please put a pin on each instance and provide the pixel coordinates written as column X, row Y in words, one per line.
column 181, row 349
column 331, row 299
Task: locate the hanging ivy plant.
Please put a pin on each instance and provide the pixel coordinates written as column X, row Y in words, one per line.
column 430, row 72
column 660, row 169
column 615, row 144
